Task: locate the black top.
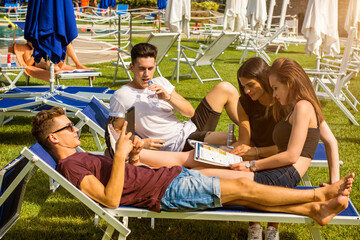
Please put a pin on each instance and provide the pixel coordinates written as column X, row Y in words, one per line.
column 261, row 127
column 282, row 132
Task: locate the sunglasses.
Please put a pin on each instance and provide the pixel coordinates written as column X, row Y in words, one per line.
column 69, row 127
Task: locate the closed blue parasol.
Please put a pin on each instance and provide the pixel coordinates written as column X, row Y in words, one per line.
column 106, row 3
column 50, row 26
column 161, row 4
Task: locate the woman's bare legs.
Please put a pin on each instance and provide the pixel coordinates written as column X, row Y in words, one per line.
column 70, row 51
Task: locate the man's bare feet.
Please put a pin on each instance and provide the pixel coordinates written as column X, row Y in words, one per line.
column 341, row 187
column 325, row 211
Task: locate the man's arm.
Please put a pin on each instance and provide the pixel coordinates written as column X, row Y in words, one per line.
column 110, row 195
column 149, row 143
column 178, row 102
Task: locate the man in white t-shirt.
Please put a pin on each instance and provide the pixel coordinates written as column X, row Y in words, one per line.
column 155, row 104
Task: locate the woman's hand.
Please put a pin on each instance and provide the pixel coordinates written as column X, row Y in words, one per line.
column 240, row 166
column 153, row 144
column 241, row 150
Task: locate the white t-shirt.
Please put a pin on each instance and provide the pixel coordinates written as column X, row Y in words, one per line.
column 153, row 120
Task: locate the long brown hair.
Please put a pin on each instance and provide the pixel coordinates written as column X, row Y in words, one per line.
column 254, row 68
column 290, row 73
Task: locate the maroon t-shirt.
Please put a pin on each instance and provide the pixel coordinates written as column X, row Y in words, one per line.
column 143, row 186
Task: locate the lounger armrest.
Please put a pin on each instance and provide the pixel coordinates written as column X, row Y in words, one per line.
column 191, row 49
column 123, row 51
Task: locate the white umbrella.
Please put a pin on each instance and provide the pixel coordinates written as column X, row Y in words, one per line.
column 320, row 28
column 353, row 15
column 235, row 15
column 270, row 14
column 177, row 18
column 178, row 15
column 283, row 12
column 256, row 13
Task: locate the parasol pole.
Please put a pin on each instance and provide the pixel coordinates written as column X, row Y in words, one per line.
column 52, row 77
column 283, row 13
column 178, row 59
column 119, row 31
column 270, row 16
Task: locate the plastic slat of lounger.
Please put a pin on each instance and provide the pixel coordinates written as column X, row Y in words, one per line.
column 76, row 89
column 69, row 104
column 75, row 75
column 27, row 92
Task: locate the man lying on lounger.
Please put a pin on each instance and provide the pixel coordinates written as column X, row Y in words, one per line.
column 113, row 182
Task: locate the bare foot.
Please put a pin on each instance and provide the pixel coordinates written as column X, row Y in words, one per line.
column 80, row 66
column 325, row 211
column 341, row 187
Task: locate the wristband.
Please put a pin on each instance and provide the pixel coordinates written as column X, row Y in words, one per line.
column 131, row 161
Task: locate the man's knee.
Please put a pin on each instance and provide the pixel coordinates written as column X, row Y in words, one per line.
column 227, row 88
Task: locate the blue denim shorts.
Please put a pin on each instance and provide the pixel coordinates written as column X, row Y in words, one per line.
column 191, row 191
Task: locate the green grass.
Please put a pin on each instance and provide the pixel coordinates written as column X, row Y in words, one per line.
column 58, row 215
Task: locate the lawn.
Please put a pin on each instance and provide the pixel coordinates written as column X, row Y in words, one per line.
column 47, row 215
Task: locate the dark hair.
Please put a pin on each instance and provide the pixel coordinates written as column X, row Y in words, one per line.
column 43, row 122
column 143, row 50
column 290, row 73
column 254, row 68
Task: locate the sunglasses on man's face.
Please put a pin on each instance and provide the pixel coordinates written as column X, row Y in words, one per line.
column 69, row 127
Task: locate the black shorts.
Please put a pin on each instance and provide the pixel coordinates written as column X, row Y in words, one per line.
column 205, row 120
column 286, row 176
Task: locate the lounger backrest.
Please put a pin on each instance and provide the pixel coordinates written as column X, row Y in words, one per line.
column 10, row 208
column 122, row 9
column 97, row 112
column 216, row 48
column 345, row 62
column 163, row 42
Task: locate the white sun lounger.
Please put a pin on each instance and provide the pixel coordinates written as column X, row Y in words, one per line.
column 13, row 191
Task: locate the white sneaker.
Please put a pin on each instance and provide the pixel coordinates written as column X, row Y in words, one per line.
column 255, row 232
column 271, row 233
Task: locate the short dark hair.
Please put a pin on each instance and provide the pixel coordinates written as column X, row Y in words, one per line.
column 143, row 50
column 43, row 122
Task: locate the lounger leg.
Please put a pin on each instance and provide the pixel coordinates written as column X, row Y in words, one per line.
column 338, row 103
column 108, row 233
column 306, row 180
column 315, row 231
column 115, row 74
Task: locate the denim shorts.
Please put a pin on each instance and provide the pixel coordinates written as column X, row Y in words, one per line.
column 191, row 191
column 286, row 176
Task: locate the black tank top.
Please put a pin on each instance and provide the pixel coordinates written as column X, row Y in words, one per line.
column 282, row 132
column 261, row 126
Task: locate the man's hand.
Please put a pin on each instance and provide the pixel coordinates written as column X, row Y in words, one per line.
column 124, row 145
column 160, row 91
column 137, row 147
column 153, row 144
column 240, row 166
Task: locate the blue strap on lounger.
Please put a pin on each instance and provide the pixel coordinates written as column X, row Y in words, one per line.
column 320, row 153
column 97, row 113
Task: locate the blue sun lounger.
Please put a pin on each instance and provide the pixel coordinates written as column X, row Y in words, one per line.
column 14, row 177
